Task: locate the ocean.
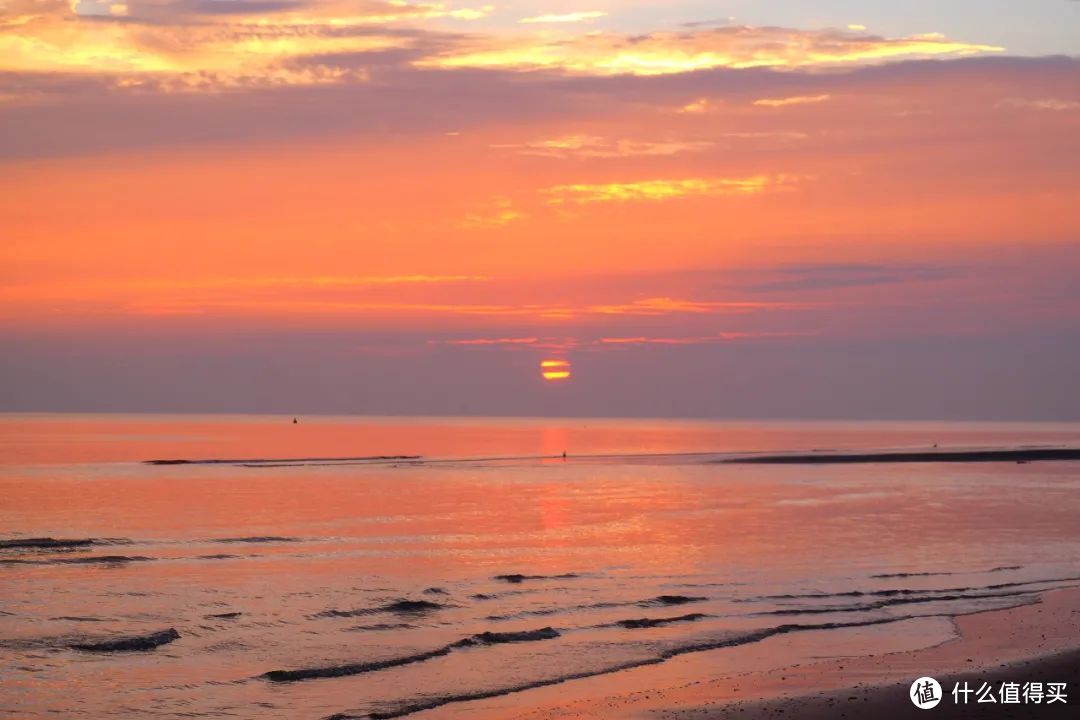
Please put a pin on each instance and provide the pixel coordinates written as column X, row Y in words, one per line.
column 463, row 567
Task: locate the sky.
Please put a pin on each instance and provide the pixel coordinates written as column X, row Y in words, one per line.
column 746, row 209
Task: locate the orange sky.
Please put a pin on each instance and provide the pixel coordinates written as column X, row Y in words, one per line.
column 381, row 168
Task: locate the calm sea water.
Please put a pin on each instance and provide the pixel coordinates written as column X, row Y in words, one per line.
column 488, row 566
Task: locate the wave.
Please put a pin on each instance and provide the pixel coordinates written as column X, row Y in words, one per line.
column 657, row 622
column 517, row 579
column 486, row 638
column 133, row 643
column 256, row 539
column 381, row 626
column 84, row 560
column 498, row 638
column 408, row 707
column 878, row 605
column 891, row 576
column 909, row 591
column 352, row 668
column 398, row 607
column 658, row 601
column 45, row 543
column 49, row 543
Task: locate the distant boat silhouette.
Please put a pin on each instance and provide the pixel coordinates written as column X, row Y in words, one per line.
column 294, row 421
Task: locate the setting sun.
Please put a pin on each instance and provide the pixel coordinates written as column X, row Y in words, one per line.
column 555, row 369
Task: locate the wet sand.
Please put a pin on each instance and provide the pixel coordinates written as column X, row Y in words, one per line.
column 1038, row 643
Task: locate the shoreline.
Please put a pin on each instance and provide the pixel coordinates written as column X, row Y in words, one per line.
column 1038, row 642
column 890, row 701
column 1034, row 642
column 1018, row 455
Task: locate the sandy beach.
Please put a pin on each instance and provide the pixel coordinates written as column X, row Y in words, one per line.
column 1039, row 642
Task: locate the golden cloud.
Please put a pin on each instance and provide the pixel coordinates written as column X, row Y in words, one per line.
column 574, row 17
column 697, row 339
column 488, row 341
column 172, row 47
column 655, row 190
column 797, row 100
column 696, row 107
column 593, row 146
column 185, row 46
column 120, row 289
column 664, row 53
column 1054, row 104
column 499, row 213
column 668, row 306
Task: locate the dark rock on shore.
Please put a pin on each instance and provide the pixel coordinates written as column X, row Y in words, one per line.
column 105, row 559
column 658, row 622
column 518, row 578
column 673, row 600
column 45, row 543
column 352, row 668
column 496, row 638
column 398, row 607
column 134, row 643
column 487, row 638
column 408, row 607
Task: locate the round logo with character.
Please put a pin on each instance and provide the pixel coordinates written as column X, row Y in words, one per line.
column 925, row 693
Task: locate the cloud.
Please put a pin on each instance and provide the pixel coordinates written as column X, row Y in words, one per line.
column 574, row 17
column 696, row 107
column 830, row 276
column 722, row 337
column 488, row 341
column 593, row 146
column 665, row 53
column 590, row 343
column 498, row 213
column 656, row 190
column 1042, row 104
column 202, row 45
column 667, row 306
column 796, row 100
column 359, row 298
column 121, row 287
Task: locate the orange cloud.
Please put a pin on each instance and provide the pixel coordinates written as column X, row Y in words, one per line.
column 1055, row 104
column 696, row 107
column 498, row 213
column 797, row 100
column 667, row 306
column 593, row 146
column 136, row 287
column 697, row 340
column 652, row 190
column 176, row 47
column 488, row 341
column 574, row 17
